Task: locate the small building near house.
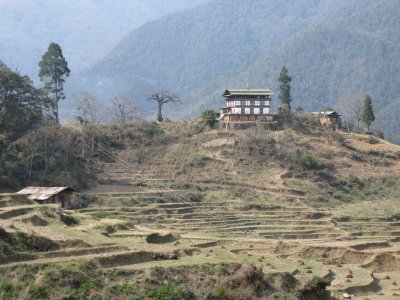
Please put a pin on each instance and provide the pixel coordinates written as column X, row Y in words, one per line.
column 247, row 106
column 48, row 195
column 329, row 118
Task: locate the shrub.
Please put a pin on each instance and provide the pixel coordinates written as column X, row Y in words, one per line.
column 373, row 140
column 6, row 288
column 125, row 289
column 260, row 145
column 170, row 291
column 82, row 200
column 308, row 161
column 341, row 140
column 220, row 292
column 197, row 160
column 209, row 117
column 195, row 197
column 153, row 130
column 379, row 133
column 68, row 220
column 317, row 284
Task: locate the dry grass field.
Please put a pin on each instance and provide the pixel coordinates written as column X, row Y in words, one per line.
column 216, row 215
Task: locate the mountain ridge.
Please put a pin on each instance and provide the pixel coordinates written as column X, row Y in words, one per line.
column 86, row 30
column 330, row 47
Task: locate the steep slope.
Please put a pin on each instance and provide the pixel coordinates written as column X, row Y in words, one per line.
column 86, row 29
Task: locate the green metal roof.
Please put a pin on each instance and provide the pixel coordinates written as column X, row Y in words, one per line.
column 252, row 92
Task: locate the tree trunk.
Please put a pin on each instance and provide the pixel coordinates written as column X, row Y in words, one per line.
column 83, row 146
column 45, row 148
column 56, row 104
column 159, row 109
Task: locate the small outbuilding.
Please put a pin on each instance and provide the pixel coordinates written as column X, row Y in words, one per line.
column 41, row 195
column 329, row 118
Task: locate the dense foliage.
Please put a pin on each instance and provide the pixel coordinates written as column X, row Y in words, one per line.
column 21, row 104
column 33, row 148
column 53, row 70
column 368, row 114
column 284, row 89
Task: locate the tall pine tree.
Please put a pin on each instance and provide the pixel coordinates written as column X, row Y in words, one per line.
column 53, row 70
column 368, row 114
column 284, row 90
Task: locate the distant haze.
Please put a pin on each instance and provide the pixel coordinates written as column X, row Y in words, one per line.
column 85, row 29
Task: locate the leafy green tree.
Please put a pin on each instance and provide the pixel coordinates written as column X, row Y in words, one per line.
column 21, row 104
column 284, row 89
column 368, row 113
column 53, row 70
column 299, row 109
column 209, row 117
column 163, row 97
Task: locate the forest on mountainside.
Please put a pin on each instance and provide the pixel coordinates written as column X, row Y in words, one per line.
column 332, row 62
column 86, row 29
column 34, row 148
column 331, row 49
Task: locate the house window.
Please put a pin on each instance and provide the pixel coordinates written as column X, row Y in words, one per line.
column 247, row 103
column 256, row 110
column 257, row 103
column 237, row 103
column 267, row 103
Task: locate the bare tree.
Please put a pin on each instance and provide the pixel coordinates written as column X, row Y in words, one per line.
column 162, row 98
column 88, row 112
column 358, row 109
column 351, row 107
column 124, row 112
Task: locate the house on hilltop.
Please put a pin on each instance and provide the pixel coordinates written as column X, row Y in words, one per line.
column 329, row 118
column 41, row 195
column 247, row 106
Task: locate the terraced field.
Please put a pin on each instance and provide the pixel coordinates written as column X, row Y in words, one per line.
column 194, row 206
column 280, row 237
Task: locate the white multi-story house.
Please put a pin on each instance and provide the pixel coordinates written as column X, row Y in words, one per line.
column 246, row 105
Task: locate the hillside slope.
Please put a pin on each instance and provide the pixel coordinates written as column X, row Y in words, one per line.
column 85, row 29
column 330, row 47
column 185, row 211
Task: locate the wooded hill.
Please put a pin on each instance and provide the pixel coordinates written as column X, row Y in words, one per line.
column 331, row 48
column 86, row 30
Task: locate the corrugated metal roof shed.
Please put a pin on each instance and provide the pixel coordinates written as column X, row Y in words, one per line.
column 43, row 193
